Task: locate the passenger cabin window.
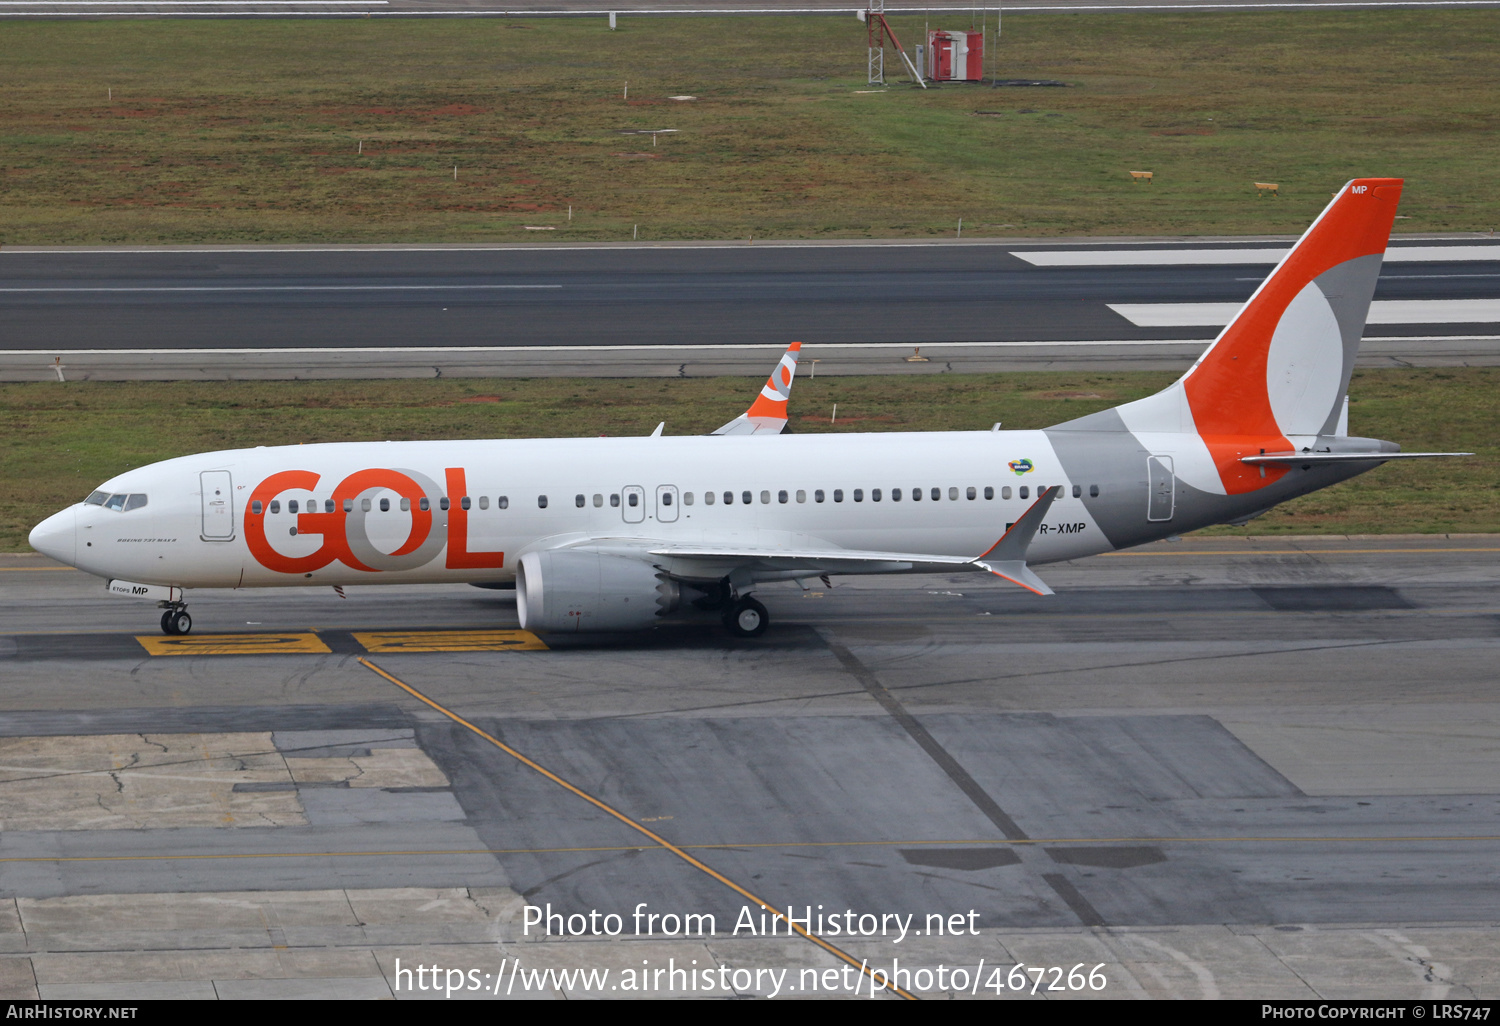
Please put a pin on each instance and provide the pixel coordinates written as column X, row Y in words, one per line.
column 405, row 504
column 502, row 502
column 348, row 505
column 1005, row 492
column 708, row 498
column 765, row 496
column 464, row 502
column 1093, row 491
column 443, row 503
column 541, row 501
column 937, row 493
column 255, row 507
column 275, row 504
column 687, row 498
column 729, row 498
column 782, row 496
column 818, row 495
column 801, row 495
column 1077, row 491
column 895, row 495
column 1025, row 492
column 859, row 495
column 598, row 500
column 96, row 498
column 971, row 493
column 953, row 494
column 328, row 505
column 989, row 492
column 484, row 502
column 291, row 506
column 916, row 495
column 385, row 506
column 579, row 500
column 838, row 495
column 424, row 504
column 364, row 505
column 614, row 498
column 745, row 498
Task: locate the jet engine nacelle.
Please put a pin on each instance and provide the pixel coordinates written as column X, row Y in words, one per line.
column 576, row 590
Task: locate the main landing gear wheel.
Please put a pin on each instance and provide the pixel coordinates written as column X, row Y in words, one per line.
column 747, row 618
column 176, row 621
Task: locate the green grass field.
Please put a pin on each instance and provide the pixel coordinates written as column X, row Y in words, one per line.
column 249, row 130
column 59, row 441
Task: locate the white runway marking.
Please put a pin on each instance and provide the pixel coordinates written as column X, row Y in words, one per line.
column 273, row 288
column 1393, row 311
column 1159, row 257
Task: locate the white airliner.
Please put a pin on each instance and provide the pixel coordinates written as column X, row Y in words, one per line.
column 609, row 534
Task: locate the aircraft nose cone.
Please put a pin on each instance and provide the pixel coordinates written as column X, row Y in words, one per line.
column 57, row 537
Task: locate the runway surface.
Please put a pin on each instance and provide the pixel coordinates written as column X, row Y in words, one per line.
column 1215, row 767
column 687, row 309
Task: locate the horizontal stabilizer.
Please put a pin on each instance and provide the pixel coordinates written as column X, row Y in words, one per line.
column 1278, row 458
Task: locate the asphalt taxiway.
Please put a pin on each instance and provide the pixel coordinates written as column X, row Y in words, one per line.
column 1261, row 768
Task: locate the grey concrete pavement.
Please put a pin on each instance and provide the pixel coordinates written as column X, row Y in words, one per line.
column 1218, row 767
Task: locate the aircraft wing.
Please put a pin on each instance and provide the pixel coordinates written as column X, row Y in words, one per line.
column 767, row 414
column 1005, row 559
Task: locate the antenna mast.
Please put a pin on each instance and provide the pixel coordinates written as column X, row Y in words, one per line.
column 879, row 29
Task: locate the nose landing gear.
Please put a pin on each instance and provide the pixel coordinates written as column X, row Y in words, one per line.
column 175, row 619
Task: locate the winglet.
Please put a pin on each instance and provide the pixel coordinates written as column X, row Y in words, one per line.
column 767, row 414
column 1007, row 557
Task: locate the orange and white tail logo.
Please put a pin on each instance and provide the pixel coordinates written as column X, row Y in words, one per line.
column 1276, row 377
column 767, row 414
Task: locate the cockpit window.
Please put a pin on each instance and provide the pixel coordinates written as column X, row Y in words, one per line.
column 96, row 499
column 121, row 503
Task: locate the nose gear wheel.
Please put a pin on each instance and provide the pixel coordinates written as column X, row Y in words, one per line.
column 176, row 621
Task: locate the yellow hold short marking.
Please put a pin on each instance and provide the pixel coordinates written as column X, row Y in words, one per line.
column 233, row 644
column 394, row 642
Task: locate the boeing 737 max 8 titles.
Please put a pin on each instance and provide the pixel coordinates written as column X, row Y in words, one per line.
column 613, row 533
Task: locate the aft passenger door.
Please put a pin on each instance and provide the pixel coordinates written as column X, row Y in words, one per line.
column 218, row 505
column 1161, row 488
column 634, row 506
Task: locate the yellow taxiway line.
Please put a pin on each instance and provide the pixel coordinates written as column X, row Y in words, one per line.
column 844, row 956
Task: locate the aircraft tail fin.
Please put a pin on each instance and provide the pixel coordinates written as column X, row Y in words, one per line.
column 767, row 414
column 1276, row 376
